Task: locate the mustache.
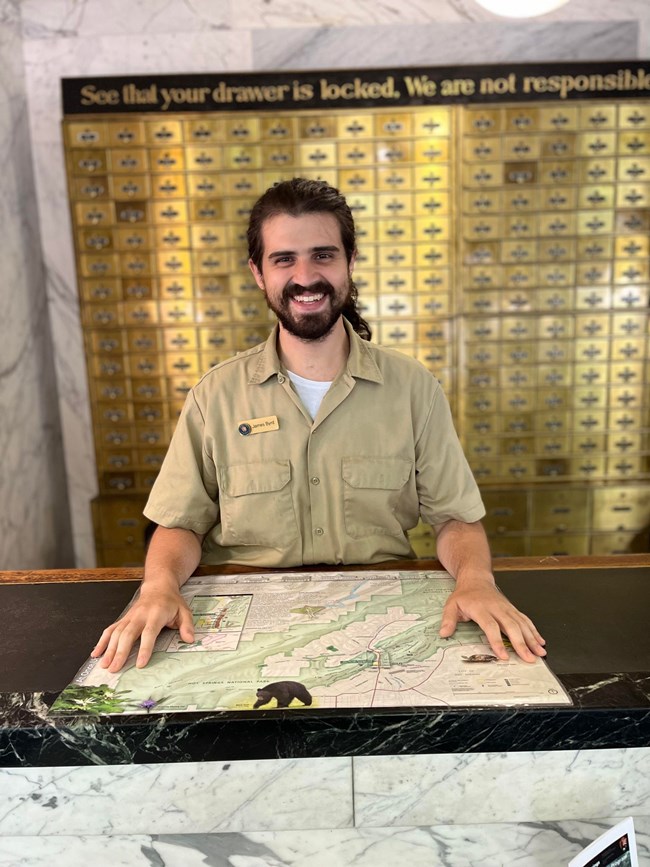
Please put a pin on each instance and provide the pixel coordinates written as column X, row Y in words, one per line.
column 292, row 289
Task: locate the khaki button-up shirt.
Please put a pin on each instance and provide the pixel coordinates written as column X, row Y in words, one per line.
column 270, row 487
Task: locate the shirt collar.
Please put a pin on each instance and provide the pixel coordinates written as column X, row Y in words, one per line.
column 361, row 363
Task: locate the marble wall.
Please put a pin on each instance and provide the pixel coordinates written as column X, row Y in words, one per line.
column 96, row 37
column 34, row 514
column 533, row 809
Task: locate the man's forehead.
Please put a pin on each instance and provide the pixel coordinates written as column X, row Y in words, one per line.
column 305, row 230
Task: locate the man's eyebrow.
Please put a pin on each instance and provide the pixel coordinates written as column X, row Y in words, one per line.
column 326, row 248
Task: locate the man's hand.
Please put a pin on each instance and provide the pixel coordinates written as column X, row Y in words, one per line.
column 481, row 602
column 155, row 608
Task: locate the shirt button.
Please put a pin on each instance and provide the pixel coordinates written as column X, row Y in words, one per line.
column 319, row 531
column 315, row 480
column 280, row 378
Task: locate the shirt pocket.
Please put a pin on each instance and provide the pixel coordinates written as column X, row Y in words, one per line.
column 376, row 498
column 256, row 504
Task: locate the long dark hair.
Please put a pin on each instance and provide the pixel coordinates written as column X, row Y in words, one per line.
column 302, row 196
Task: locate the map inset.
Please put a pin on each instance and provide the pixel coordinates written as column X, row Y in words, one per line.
column 318, row 640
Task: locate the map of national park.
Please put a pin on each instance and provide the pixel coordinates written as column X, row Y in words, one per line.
column 315, row 640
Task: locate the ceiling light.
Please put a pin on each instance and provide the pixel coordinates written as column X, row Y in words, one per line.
column 521, row 8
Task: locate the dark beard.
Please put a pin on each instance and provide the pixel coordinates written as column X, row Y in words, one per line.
column 312, row 326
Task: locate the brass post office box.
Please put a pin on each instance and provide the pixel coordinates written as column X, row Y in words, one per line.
column 110, row 390
column 147, row 413
column 116, row 482
column 127, row 187
column 556, row 118
column 170, row 186
column 169, row 213
column 251, row 310
column 114, row 459
column 556, row 250
column 559, row 545
column 113, row 412
column 150, row 458
column 588, row 466
column 386, row 178
column 148, row 389
column 509, row 546
column 93, row 134
column 245, row 337
column 590, row 420
column 172, row 237
column 138, row 289
column 164, row 132
column 397, row 333
column 634, row 168
column 425, row 177
column 631, row 297
column 174, row 287
column 128, row 161
column 356, row 180
column 180, row 340
column 618, row 543
column 146, row 366
column 216, row 286
column 203, row 131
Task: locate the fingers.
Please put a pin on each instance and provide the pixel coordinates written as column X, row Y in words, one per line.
column 102, row 644
column 119, row 646
column 186, row 624
column 147, row 642
column 449, row 620
column 496, row 617
column 521, row 633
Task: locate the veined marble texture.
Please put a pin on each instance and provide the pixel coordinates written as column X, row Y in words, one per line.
column 177, row 798
column 34, row 526
column 45, row 18
column 445, row 43
column 526, row 845
column 526, row 787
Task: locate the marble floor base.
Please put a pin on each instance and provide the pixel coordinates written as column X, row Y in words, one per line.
column 541, row 844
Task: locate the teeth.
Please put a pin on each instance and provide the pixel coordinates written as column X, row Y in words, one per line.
column 305, row 298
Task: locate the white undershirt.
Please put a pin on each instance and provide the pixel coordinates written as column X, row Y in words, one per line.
column 310, row 391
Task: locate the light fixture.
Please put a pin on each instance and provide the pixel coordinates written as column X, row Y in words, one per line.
column 521, row 8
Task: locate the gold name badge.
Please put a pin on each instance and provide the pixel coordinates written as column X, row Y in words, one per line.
column 258, row 425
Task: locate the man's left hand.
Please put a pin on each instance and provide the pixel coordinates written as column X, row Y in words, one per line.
column 485, row 605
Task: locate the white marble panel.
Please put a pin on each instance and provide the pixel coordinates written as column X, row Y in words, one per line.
column 34, row 525
column 313, row 13
column 46, row 62
column 443, row 44
column 278, row 794
column 501, row 787
column 529, row 845
column 44, row 19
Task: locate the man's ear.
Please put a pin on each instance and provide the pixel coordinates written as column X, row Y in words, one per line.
column 257, row 274
column 353, row 259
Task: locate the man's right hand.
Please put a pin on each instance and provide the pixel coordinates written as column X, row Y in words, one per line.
column 155, row 608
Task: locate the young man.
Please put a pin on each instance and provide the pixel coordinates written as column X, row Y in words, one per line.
column 315, row 447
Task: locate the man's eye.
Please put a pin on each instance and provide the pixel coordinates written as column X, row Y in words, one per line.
column 323, row 255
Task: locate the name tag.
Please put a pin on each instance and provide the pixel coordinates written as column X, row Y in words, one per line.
column 258, row 425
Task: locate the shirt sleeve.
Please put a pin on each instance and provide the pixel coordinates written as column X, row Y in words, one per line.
column 185, row 493
column 446, row 487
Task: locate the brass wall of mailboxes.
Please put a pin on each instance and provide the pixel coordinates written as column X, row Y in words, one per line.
column 507, row 248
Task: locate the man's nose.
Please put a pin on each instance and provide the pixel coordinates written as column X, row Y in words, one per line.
column 305, row 272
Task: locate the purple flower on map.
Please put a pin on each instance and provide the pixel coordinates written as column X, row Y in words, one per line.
column 148, row 703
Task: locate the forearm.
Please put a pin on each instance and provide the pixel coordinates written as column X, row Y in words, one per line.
column 173, row 555
column 464, row 551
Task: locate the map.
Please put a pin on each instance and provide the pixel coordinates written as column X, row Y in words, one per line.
column 315, row 640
